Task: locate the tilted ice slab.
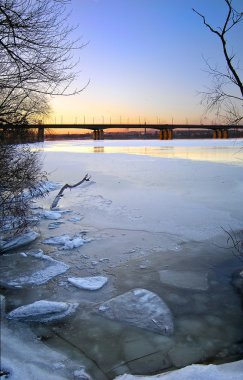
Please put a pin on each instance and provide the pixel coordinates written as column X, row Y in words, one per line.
column 140, row 308
column 18, row 241
column 49, row 268
column 43, row 311
column 184, row 279
column 66, row 241
column 88, row 283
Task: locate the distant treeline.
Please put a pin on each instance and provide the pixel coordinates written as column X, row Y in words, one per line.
column 24, row 135
column 18, row 136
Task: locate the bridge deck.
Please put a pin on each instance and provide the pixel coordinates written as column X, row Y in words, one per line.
column 123, row 126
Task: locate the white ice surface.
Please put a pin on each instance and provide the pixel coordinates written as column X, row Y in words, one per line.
column 180, row 186
column 88, row 283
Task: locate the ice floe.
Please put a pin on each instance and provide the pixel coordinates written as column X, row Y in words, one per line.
column 52, row 215
column 18, row 241
column 184, row 279
column 66, row 242
column 35, row 269
column 54, row 225
column 81, row 374
column 88, row 283
column 75, row 219
column 141, row 308
column 43, row 311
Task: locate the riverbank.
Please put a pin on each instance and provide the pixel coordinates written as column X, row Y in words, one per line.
column 151, row 222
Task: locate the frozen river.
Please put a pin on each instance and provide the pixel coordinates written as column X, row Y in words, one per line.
column 153, row 217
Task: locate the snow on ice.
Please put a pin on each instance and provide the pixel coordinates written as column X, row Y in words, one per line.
column 88, row 283
column 43, row 311
column 229, row 371
column 66, row 241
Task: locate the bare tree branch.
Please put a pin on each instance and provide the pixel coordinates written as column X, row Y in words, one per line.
column 60, row 194
column 37, row 49
column 220, row 93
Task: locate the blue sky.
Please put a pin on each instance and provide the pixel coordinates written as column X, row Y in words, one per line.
column 144, row 60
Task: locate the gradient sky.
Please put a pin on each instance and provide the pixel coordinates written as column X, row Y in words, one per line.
column 144, row 60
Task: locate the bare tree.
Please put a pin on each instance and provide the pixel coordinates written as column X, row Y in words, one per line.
column 21, row 179
column 227, row 88
column 36, row 56
column 36, row 61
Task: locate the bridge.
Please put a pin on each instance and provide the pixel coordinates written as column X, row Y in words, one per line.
column 165, row 130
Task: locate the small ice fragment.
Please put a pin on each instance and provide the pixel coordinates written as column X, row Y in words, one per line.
column 23, row 254
column 75, row 219
column 88, row 283
column 104, row 259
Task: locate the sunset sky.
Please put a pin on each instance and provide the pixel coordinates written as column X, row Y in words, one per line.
column 144, row 59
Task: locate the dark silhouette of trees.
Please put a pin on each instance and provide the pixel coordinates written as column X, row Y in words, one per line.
column 36, row 62
column 226, row 92
column 36, row 57
column 21, row 179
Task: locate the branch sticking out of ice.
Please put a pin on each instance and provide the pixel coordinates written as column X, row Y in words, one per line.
column 43, row 311
column 88, row 283
column 67, row 186
column 66, row 241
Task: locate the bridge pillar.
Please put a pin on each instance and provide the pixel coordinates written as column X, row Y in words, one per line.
column 219, row 133
column 166, row 134
column 101, row 134
column 41, row 134
column 225, row 134
column 214, row 133
column 98, row 134
column 170, row 134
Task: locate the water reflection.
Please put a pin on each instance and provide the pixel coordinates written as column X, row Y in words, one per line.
column 98, row 149
column 230, row 152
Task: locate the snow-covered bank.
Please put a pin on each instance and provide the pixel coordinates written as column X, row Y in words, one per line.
column 25, row 357
column 152, row 223
column 229, row 371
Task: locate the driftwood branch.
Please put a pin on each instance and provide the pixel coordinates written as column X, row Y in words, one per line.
column 60, row 194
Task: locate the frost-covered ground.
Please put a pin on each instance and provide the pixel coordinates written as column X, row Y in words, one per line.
column 150, row 218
